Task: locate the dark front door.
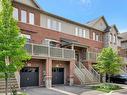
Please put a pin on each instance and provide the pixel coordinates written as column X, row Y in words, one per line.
column 58, row 75
column 29, row 77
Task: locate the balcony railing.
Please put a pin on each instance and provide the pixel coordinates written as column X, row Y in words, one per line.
column 92, row 56
column 39, row 50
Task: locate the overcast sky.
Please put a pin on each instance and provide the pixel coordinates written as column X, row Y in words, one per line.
column 115, row 11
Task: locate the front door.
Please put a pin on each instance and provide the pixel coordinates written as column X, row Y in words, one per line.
column 58, row 75
column 29, row 77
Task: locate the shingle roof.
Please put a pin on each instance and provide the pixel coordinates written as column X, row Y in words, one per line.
column 123, row 36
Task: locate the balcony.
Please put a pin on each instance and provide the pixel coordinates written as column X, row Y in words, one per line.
column 92, row 56
column 39, row 50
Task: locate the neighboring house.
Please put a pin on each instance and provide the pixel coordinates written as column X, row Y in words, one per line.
column 62, row 50
column 123, row 51
column 111, row 33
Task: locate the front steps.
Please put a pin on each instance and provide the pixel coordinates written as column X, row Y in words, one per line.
column 85, row 76
column 12, row 83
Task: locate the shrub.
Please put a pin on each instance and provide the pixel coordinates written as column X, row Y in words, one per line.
column 106, row 87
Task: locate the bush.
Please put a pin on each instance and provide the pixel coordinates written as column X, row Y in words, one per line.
column 106, row 87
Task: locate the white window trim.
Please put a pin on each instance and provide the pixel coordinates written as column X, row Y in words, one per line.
column 94, row 36
column 76, row 31
column 15, row 13
column 23, row 16
column 49, row 23
column 31, row 18
column 59, row 26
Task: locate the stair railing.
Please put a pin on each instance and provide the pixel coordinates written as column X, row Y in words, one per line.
column 79, row 74
column 95, row 73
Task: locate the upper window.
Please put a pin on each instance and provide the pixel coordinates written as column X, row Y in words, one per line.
column 55, row 25
column 110, row 37
column 15, row 13
column 97, row 37
column 49, row 23
column 28, row 37
column 114, row 39
column 93, row 35
column 31, row 18
column 81, row 32
column 23, row 16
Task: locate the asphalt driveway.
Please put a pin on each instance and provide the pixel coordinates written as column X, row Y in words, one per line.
column 56, row 90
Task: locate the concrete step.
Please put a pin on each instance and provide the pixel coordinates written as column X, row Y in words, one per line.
column 11, row 83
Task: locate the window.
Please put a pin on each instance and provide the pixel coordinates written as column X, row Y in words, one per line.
column 80, row 32
column 54, row 25
column 97, row 37
column 49, row 23
column 23, row 16
column 93, row 35
column 87, row 34
column 110, row 37
column 15, row 13
column 76, row 31
column 59, row 26
column 28, row 37
column 114, row 39
column 31, row 18
column 84, row 33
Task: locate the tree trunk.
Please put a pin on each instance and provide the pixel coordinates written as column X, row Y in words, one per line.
column 6, row 83
column 109, row 78
column 6, row 75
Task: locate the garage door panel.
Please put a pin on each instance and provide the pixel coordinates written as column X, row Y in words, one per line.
column 29, row 77
column 58, row 75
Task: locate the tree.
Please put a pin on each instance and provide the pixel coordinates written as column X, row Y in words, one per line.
column 108, row 62
column 12, row 52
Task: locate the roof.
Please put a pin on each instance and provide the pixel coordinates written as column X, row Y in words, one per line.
column 93, row 22
column 61, row 18
column 35, row 2
column 115, row 27
column 124, row 36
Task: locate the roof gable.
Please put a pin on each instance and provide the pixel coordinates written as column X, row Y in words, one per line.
column 114, row 28
column 32, row 3
column 99, row 23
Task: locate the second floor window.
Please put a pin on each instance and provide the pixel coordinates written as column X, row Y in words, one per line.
column 81, row 32
column 31, row 18
column 110, row 37
column 15, row 13
column 114, row 39
column 55, row 25
column 28, row 37
column 94, row 36
column 97, row 37
column 23, row 16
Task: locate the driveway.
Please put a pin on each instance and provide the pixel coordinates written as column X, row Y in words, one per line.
column 60, row 90
column 70, row 90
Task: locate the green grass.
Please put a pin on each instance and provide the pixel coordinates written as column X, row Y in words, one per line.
column 107, row 87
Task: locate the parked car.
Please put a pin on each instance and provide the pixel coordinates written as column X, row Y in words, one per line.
column 122, row 79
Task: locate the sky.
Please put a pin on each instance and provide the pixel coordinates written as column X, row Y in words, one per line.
column 115, row 11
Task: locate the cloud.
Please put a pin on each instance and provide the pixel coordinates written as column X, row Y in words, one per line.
column 83, row 2
column 86, row 2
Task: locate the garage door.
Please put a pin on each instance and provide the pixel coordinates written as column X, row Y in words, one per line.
column 58, row 75
column 29, row 77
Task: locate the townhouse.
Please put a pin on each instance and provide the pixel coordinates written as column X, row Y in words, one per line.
column 62, row 50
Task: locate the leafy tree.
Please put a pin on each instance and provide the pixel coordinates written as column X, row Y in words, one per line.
column 108, row 62
column 12, row 52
